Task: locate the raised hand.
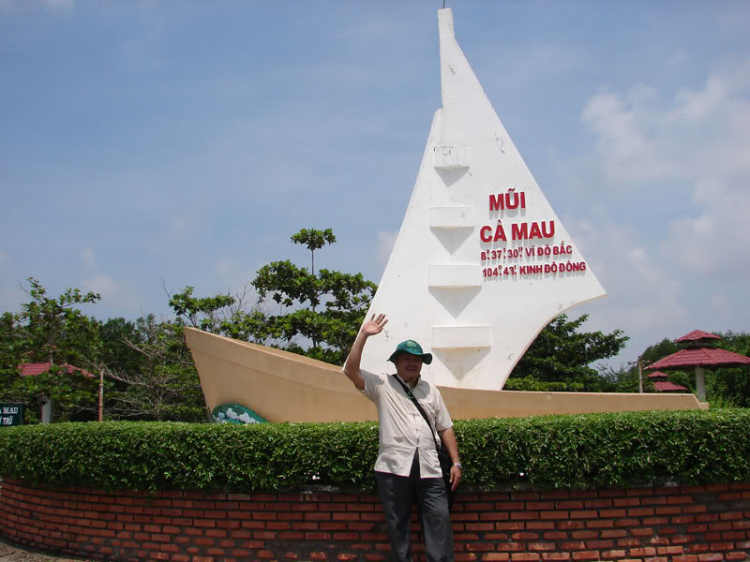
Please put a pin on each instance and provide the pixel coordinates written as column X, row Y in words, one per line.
column 375, row 325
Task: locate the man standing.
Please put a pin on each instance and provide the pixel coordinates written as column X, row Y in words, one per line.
column 407, row 468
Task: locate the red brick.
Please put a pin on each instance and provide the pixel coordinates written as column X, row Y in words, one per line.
column 265, row 535
column 626, row 502
column 464, row 556
column 612, row 533
column 524, row 557
column 669, row 550
column 555, row 536
column 613, row 554
column 600, row 524
column 496, row 536
column 735, row 556
column 524, row 536
column 541, row 546
column 539, row 506
column 733, row 536
column 480, row 547
column 582, row 535
column 645, row 551
column 556, row 556
column 510, row 526
column 571, row 525
column 540, row 525
column 571, row 504
column 318, row 556
column 558, row 514
column 480, row 526
column 511, row 546
column 714, row 557
column 583, row 514
column 721, row 546
column 496, row 557
column 586, row 555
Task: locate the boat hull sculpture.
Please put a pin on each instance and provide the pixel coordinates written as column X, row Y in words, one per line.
column 285, row 387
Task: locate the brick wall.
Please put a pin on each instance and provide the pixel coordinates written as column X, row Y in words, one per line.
column 671, row 524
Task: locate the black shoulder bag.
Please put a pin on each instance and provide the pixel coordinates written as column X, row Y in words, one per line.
column 443, row 455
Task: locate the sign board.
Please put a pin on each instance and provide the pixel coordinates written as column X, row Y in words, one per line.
column 11, row 414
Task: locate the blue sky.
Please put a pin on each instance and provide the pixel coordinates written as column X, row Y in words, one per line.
column 153, row 144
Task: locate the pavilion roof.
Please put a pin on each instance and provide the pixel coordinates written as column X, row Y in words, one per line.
column 658, row 375
column 697, row 335
column 668, row 386
column 33, row 369
column 705, row 357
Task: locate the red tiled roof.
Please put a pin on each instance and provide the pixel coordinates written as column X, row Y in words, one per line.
column 667, row 386
column 705, row 356
column 658, row 375
column 33, row 369
column 697, row 335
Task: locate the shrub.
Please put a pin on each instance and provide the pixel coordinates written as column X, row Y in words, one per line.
column 577, row 451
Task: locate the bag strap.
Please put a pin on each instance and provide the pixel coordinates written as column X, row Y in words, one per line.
column 410, row 394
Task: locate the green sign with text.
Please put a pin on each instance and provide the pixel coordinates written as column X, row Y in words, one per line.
column 11, row 414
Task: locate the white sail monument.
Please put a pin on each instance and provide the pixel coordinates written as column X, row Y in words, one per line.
column 482, row 262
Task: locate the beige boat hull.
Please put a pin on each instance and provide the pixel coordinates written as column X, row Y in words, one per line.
column 285, row 387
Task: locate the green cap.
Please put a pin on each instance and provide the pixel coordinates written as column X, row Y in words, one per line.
column 412, row 347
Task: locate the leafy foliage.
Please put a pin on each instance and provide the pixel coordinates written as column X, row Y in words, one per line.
column 50, row 330
column 601, row 450
column 345, row 299
column 561, row 356
column 151, row 372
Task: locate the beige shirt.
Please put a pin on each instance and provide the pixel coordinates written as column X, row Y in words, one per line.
column 403, row 430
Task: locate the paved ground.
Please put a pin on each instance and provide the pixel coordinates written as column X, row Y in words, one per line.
column 11, row 553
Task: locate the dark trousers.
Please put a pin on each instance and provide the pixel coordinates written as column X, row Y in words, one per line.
column 398, row 494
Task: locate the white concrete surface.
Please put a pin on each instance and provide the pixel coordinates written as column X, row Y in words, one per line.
column 475, row 210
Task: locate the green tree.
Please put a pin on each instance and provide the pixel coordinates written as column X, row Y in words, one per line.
column 224, row 314
column 344, row 297
column 55, row 331
column 731, row 385
column 560, row 358
column 314, row 240
column 150, row 372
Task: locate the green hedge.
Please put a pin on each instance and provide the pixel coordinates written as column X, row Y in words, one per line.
column 600, row 450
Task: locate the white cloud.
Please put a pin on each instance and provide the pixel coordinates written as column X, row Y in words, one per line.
column 88, row 257
column 677, row 262
column 111, row 291
column 642, row 294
